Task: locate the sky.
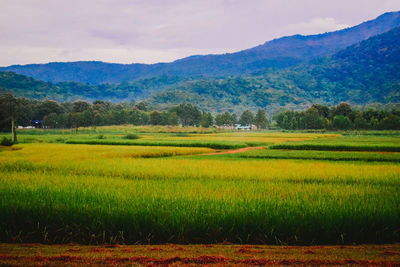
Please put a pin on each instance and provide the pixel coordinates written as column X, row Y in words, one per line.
column 150, row 31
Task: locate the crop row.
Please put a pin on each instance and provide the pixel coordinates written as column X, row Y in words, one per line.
column 321, row 155
column 177, row 143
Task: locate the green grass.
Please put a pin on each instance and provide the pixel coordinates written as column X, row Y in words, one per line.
column 137, row 191
column 173, row 143
column 96, row 194
column 320, row 155
column 384, row 143
column 59, row 208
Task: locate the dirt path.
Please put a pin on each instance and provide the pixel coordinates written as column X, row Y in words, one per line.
column 234, row 151
column 198, row 255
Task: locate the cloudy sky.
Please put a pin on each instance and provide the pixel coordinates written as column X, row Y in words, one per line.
column 149, row 31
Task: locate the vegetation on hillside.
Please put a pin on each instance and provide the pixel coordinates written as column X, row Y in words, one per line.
column 279, row 53
column 363, row 73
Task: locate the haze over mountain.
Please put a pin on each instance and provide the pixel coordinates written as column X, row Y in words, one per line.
column 279, row 53
column 314, row 70
column 366, row 72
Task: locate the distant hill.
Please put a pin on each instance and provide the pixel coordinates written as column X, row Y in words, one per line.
column 363, row 73
column 277, row 54
column 29, row 87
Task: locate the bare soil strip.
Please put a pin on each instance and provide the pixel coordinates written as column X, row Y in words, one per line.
column 234, row 151
column 197, row 255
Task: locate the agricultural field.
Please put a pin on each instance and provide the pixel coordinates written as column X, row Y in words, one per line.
column 148, row 185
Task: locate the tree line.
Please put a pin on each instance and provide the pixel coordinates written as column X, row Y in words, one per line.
column 341, row 117
column 51, row 114
column 21, row 111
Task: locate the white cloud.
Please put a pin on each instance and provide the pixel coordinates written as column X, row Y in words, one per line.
column 149, row 31
column 121, row 54
column 316, row 25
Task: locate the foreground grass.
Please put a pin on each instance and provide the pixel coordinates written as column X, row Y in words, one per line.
column 96, row 194
column 231, row 255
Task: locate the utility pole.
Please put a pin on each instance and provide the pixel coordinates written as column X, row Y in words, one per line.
column 13, row 132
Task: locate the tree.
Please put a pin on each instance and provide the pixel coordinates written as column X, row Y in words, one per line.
column 80, row 106
column 247, row 118
column 10, row 107
column 341, row 122
column 141, row 106
column 312, row 119
column 50, row 120
column 47, row 107
column 206, row 120
column 323, row 111
column 75, row 119
column 392, row 122
column 172, row 118
column 155, row 118
column 343, row 109
column 225, row 119
column 188, row 114
column 261, row 120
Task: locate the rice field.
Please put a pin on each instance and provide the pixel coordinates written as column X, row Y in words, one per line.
column 57, row 193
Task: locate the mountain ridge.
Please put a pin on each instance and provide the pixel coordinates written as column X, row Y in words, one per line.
column 276, row 54
column 363, row 73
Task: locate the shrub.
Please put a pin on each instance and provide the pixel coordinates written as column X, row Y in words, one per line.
column 131, row 136
column 101, row 136
column 6, row 141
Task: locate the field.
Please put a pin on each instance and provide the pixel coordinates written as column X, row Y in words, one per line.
column 169, row 185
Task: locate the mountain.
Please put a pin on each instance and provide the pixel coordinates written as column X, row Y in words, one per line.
column 29, row 87
column 277, row 54
column 363, row 73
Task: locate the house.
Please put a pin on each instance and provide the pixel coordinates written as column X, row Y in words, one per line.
column 245, row 127
column 37, row 123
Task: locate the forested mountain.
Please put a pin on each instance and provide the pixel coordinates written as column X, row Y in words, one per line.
column 363, row 73
column 278, row 54
column 29, row 87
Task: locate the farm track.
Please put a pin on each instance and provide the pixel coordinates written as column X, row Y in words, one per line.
column 197, row 255
column 234, row 151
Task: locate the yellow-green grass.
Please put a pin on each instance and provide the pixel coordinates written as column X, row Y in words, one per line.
column 346, row 143
column 116, row 136
column 319, row 155
column 59, row 193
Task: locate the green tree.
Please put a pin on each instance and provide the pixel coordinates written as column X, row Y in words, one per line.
column 312, row 119
column 155, row 118
column 45, row 108
column 225, row 119
column 343, row 109
column 50, row 120
column 188, row 114
column 80, row 106
column 323, row 111
column 172, row 118
column 206, row 120
column 247, row 118
column 261, row 120
column 341, row 122
column 10, row 108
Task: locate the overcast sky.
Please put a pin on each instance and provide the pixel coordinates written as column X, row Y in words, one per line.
column 149, row 31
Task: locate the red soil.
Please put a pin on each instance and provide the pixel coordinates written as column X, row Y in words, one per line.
column 244, row 149
column 199, row 260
